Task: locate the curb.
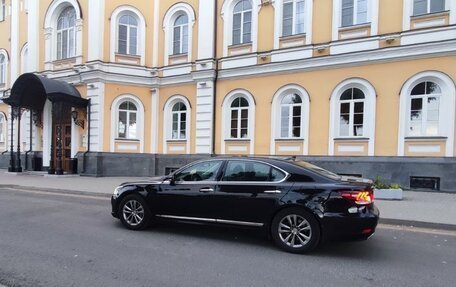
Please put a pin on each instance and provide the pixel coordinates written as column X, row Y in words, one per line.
column 420, row 224
column 56, row 190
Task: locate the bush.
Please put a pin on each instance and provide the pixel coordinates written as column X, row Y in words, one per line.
column 379, row 184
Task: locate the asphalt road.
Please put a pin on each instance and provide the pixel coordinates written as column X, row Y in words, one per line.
column 56, row 240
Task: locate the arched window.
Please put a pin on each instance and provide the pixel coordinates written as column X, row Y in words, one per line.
column 180, row 35
column 127, row 121
column 293, row 15
column 239, row 111
column 424, row 113
column 242, row 22
column 290, row 116
column 66, row 34
column 179, row 117
column 2, row 70
column 2, row 129
column 351, row 113
column 127, row 43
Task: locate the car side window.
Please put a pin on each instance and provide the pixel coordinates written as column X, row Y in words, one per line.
column 238, row 170
column 203, row 171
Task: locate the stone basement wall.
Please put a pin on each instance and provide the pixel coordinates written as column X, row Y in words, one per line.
column 390, row 169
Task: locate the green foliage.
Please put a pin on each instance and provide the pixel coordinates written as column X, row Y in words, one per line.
column 380, row 184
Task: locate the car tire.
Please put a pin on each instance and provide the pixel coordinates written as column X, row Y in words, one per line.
column 134, row 213
column 295, row 230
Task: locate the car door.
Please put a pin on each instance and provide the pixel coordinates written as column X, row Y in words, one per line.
column 188, row 194
column 249, row 191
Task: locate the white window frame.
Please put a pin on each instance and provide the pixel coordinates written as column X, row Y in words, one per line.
column 70, row 31
column 128, row 40
column 139, row 120
column 227, row 16
column 168, row 28
column 428, row 7
column 424, row 112
column 168, row 122
column 278, row 21
column 369, row 114
column 226, row 119
column 276, row 116
column 294, row 18
column 351, row 114
column 372, row 18
column 241, row 34
column 239, row 119
column 355, row 14
column 2, row 10
column 127, row 121
column 3, row 69
column 141, row 40
column 4, row 130
column 182, row 28
column 447, row 109
column 408, row 13
column 50, row 27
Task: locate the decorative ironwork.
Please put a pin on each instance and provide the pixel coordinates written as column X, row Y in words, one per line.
column 16, row 112
column 76, row 120
column 37, row 119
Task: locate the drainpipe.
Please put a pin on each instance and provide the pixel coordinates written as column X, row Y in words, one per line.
column 215, row 76
column 88, row 138
column 31, row 135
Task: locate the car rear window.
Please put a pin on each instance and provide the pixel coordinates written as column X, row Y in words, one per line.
column 317, row 169
column 238, row 170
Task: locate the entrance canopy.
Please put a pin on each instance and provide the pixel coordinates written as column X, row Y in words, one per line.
column 30, row 91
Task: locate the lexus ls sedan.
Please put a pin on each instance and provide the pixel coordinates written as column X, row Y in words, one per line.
column 298, row 203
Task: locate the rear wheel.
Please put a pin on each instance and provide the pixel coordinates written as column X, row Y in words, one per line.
column 134, row 213
column 295, row 230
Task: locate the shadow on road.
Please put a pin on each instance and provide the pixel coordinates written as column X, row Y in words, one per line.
column 359, row 250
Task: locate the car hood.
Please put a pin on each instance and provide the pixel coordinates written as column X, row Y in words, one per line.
column 146, row 181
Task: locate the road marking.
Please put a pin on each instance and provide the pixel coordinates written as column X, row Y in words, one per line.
column 417, row 229
column 57, row 193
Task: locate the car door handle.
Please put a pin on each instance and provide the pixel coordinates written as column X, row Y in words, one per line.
column 272, row 191
column 206, row 189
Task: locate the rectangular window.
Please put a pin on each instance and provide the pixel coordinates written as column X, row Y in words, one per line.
column 344, row 127
column 354, row 12
column 284, row 126
column 237, row 29
column 420, row 182
column 2, row 10
column 246, row 35
column 176, row 40
column 3, row 73
column 184, row 39
column 287, row 24
column 122, row 49
column 234, row 124
column 133, row 41
column 293, row 17
column 122, row 125
column 132, row 126
column 421, row 7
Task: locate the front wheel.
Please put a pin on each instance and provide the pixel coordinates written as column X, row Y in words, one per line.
column 295, row 230
column 134, row 213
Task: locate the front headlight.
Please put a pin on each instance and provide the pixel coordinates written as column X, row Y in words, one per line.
column 116, row 192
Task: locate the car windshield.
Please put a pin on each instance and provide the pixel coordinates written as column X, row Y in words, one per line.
column 316, row 169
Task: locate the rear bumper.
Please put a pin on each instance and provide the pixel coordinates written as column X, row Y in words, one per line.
column 356, row 226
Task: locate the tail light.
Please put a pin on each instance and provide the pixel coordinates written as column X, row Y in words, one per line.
column 362, row 197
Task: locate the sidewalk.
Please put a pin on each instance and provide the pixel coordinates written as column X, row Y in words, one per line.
column 420, row 209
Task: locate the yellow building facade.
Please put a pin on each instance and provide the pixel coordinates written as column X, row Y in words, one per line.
column 354, row 78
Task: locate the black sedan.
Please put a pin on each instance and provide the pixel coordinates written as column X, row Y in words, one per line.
column 298, row 203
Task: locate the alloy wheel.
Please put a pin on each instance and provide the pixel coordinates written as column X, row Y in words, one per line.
column 295, row 231
column 133, row 212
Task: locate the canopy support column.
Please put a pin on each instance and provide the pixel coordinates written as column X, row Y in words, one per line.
column 51, row 169
column 18, row 154
column 12, row 164
column 58, row 126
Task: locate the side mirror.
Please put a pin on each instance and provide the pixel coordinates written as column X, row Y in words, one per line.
column 171, row 179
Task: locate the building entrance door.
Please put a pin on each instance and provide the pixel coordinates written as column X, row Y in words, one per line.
column 62, row 129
